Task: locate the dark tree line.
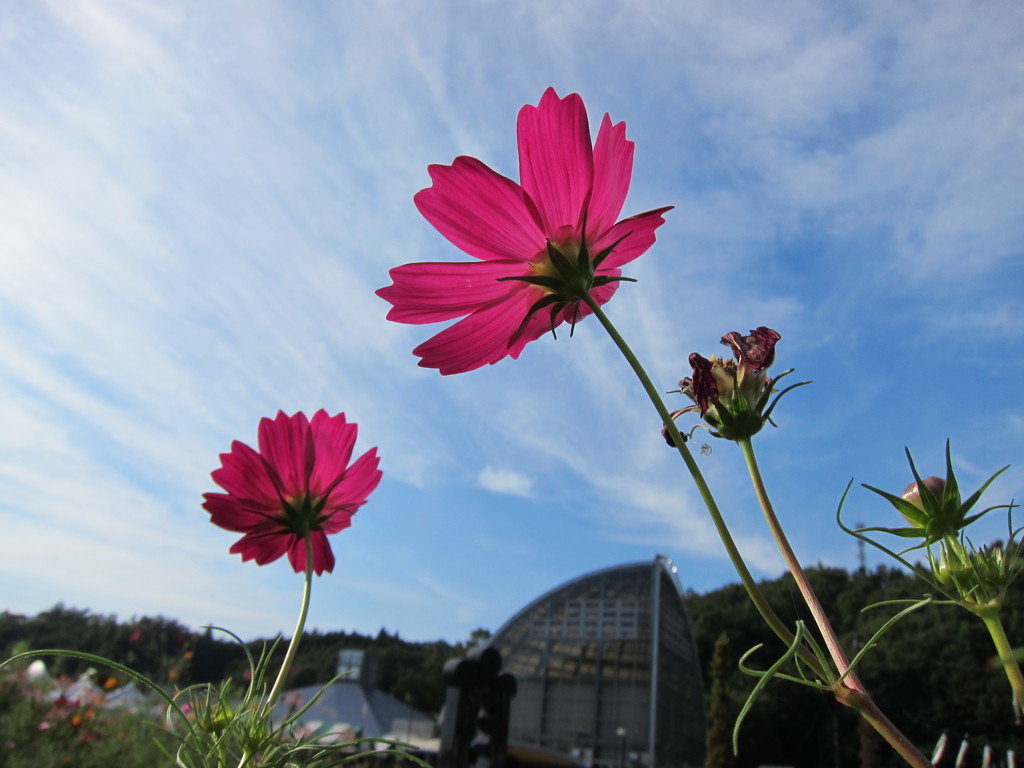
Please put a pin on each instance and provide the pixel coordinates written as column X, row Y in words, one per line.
column 932, row 672
column 173, row 655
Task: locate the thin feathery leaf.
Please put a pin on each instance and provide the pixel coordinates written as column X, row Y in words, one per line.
column 765, row 678
column 873, row 640
column 973, row 498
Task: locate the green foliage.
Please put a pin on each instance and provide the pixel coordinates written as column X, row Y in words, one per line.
column 720, row 711
column 931, row 672
column 205, row 725
column 157, row 648
column 175, row 656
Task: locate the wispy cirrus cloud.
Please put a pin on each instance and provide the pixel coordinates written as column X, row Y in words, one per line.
column 196, row 207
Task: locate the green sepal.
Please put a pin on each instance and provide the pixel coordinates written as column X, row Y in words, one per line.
column 559, row 262
column 906, row 533
column 605, row 253
column 912, row 512
column 760, row 405
column 605, row 279
column 544, row 281
column 547, row 301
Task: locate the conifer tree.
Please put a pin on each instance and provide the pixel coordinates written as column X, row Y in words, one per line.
column 720, row 720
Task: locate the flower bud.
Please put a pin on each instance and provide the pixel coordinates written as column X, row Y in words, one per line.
column 913, row 494
column 934, row 506
column 953, row 570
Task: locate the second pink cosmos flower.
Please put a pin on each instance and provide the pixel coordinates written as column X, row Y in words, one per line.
column 569, row 189
column 300, row 483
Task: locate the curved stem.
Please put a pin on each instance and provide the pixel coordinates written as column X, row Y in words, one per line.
column 753, row 590
column 866, row 707
column 990, row 616
column 848, row 689
column 856, row 698
column 293, row 646
column 828, row 634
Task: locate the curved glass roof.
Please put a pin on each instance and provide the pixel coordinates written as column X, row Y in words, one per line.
column 607, row 670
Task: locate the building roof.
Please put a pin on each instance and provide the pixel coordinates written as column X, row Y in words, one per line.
column 607, row 670
column 363, row 709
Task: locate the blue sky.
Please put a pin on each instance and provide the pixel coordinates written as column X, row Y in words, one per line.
column 197, row 203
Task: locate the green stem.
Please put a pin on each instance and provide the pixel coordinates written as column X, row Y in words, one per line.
column 989, row 614
column 855, row 698
column 866, row 707
column 293, row 645
column 835, row 649
column 848, row 689
column 753, row 590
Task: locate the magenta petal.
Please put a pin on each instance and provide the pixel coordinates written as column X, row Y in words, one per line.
column 359, row 482
column 244, row 474
column 339, row 519
column 287, row 446
column 481, row 212
column 639, row 231
column 334, row 439
column 323, row 557
column 613, row 168
column 238, row 515
column 432, row 292
column 263, row 546
column 483, row 338
column 556, row 159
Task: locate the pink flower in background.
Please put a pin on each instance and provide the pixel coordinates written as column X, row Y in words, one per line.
column 540, row 244
column 299, row 482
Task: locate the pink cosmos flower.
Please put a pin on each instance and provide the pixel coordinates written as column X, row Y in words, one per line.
column 300, row 482
column 544, row 243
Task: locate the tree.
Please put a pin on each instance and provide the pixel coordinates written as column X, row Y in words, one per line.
column 720, row 714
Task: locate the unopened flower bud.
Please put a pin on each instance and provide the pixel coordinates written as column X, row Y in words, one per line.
column 953, row 570
column 934, row 506
column 913, row 494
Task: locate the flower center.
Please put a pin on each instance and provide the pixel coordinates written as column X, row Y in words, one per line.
column 566, row 273
column 302, row 514
column 543, row 266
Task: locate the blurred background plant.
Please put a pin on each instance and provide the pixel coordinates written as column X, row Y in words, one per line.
column 47, row 721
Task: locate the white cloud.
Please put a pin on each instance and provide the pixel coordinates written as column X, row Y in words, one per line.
column 505, row 481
